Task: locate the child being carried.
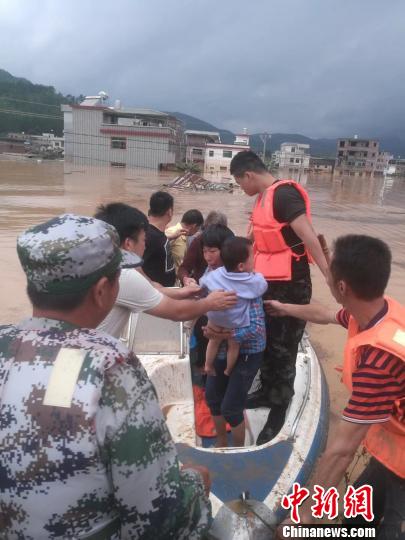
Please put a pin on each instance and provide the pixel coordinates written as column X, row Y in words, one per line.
column 236, row 275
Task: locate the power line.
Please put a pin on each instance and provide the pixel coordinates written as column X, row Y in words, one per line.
column 31, row 102
column 30, row 114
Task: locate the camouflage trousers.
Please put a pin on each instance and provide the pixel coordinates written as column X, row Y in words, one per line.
column 283, row 337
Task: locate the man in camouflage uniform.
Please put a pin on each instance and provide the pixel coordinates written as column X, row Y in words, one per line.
column 85, row 451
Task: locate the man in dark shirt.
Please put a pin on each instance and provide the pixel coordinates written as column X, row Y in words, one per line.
column 158, row 262
column 285, row 208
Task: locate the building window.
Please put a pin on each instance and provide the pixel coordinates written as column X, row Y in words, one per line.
column 119, row 143
column 293, row 149
column 342, row 144
column 197, row 151
column 227, row 153
column 211, row 153
column 297, row 161
column 291, row 160
column 117, row 164
column 223, row 169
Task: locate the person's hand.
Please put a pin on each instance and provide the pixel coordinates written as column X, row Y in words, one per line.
column 189, row 281
column 189, row 290
column 209, row 333
column 220, row 300
column 274, row 308
column 204, row 473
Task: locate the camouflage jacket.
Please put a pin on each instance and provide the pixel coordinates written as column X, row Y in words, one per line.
column 85, row 451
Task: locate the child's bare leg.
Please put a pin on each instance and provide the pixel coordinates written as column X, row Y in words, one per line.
column 212, row 351
column 231, row 355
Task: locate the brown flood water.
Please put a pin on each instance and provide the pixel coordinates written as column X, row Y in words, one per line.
column 33, row 192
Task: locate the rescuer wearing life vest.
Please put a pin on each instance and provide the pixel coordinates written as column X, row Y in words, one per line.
column 284, row 242
column 374, row 373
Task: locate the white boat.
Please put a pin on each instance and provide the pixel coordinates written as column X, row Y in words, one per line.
column 248, row 482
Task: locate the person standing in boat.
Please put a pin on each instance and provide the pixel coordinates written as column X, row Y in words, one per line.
column 374, row 373
column 226, row 395
column 158, row 262
column 284, row 243
column 85, row 448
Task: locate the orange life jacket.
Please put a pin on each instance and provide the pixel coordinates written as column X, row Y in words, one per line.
column 273, row 257
column 385, row 441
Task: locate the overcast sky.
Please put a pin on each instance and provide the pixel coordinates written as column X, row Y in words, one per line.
column 316, row 67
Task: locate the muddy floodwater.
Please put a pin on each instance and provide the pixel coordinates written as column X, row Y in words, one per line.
column 33, row 192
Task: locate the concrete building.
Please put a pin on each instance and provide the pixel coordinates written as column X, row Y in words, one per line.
column 396, row 167
column 218, row 156
column 321, row 165
column 292, row 156
column 46, row 141
column 196, row 142
column 382, row 163
column 357, row 157
column 97, row 135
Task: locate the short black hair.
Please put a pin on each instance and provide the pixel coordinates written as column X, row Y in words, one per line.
column 215, row 235
column 235, row 251
column 60, row 302
column 246, row 161
column 193, row 217
column 159, row 203
column 364, row 263
column 128, row 220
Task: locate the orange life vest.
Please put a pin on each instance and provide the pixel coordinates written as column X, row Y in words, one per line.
column 273, row 257
column 385, row 441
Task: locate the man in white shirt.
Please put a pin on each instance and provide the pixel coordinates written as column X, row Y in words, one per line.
column 136, row 293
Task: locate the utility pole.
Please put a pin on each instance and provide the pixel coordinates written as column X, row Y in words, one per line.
column 264, row 137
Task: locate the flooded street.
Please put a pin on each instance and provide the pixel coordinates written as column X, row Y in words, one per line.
column 33, row 192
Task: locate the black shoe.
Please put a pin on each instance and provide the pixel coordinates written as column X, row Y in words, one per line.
column 273, row 425
column 257, row 399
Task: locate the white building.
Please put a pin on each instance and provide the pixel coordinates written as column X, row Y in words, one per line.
column 99, row 135
column 218, row 156
column 196, row 141
column 292, row 156
column 47, row 141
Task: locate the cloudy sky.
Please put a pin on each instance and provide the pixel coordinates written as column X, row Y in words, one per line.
column 316, row 67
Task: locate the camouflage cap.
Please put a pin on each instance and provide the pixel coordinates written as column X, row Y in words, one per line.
column 70, row 253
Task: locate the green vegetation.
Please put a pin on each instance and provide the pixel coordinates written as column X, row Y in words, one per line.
column 28, row 107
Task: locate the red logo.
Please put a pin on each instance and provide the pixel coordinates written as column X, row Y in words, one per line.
column 359, row 502
column 294, row 501
column 326, row 502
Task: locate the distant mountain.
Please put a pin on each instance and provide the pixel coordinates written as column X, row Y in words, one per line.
column 5, row 76
column 19, row 96
column 28, row 107
column 191, row 122
column 319, row 147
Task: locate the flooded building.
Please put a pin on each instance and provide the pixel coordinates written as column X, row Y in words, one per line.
column 218, row 156
column 292, row 156
column 46, row 141
column 196, row 142
column 396, row 167
column 97, row 135
column 360, row 157
column 321, row 165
